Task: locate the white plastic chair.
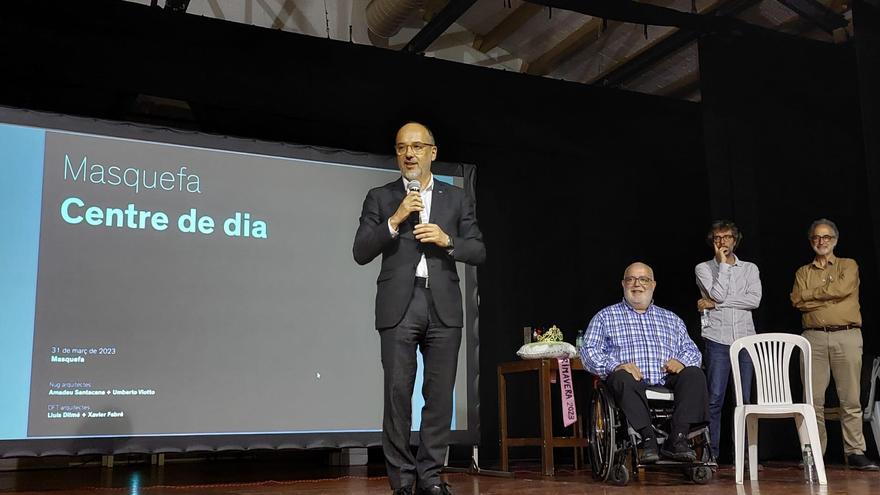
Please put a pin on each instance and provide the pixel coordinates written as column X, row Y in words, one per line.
column 771, row 355
column 872, row 411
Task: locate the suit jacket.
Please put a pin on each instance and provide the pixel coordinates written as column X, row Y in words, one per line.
column 453, row 211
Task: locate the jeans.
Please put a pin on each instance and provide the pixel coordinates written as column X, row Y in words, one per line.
column 718, row 374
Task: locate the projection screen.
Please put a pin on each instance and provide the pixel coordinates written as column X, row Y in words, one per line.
column 170, row 291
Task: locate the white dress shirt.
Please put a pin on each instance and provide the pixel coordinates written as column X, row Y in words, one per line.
column 426, row 193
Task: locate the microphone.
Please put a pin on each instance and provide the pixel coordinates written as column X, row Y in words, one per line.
column 415, row 186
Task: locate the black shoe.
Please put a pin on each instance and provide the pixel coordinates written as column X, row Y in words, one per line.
column 441, row 489
column 650, row 452
column 861, row 463
column 680, row 450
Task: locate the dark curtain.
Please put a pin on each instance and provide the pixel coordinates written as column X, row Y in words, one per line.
column 784, row 146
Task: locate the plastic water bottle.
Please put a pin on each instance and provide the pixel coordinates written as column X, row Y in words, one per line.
column 704, row 318
column 809, row 465
column 579, row 341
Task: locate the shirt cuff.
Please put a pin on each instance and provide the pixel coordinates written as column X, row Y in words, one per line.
column 687, row 362
column 394, row 233
column 610, row 366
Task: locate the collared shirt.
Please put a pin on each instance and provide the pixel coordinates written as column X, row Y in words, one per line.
column 426, row 193
column 619, row 334
column 736, row 290
column 830, row 295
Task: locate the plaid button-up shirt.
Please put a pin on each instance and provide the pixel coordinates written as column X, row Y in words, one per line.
column 618, row 335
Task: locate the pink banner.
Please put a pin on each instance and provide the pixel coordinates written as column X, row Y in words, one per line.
column 569, row 411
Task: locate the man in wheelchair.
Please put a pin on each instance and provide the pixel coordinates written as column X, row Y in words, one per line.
column 634, row 345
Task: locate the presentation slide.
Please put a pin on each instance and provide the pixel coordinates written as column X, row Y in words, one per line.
column 157, row 289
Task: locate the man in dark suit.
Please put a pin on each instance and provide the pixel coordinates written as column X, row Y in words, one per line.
column 418, row 303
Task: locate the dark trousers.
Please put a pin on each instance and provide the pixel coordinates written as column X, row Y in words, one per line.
column 691, row 398
column 420, row 328
column 717, row 360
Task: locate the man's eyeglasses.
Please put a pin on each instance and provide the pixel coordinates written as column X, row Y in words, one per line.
column 640, row 280
column 417, row 147
column 822, row 238
column 720, row 238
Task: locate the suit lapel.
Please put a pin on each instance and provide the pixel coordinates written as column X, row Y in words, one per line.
column 397, row 192
column 438, row 200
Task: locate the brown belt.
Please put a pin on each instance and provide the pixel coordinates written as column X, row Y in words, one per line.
column 833, row 328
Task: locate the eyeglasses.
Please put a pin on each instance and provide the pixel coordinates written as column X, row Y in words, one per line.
column 726, row 237
column 640, row 280
column 417, row 147
column 822, row 238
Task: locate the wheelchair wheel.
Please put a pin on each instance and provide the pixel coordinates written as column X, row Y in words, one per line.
column 701, row 475
column 602, row 441
column 619, row 475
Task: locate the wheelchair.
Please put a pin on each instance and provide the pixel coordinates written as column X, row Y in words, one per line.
column 613, row 444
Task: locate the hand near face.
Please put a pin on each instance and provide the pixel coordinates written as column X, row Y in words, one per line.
column 673, row 366
column 412, row 202
column 705, row 303
column 721, row 253
column 632, row 369
column 429, row 233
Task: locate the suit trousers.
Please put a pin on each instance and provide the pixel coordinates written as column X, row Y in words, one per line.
column 690, row 404
column 839, row 354
column 420, row 328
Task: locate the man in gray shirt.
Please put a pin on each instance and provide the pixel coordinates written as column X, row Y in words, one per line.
column 730, row 289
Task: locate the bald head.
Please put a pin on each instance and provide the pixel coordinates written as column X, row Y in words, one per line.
column 640, row 267
column 416, row 128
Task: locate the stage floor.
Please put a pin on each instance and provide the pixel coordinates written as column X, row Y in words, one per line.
column 249, row 477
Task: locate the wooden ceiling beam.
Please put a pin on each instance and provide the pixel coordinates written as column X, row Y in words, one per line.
column 562, row 51
column 432, row 8
column 216, row 10
column 506, row 27
column 579, row 40
column 705, row 9
column 438, row 25
column 797, row 22
column 817, row 13
column 683, row 87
